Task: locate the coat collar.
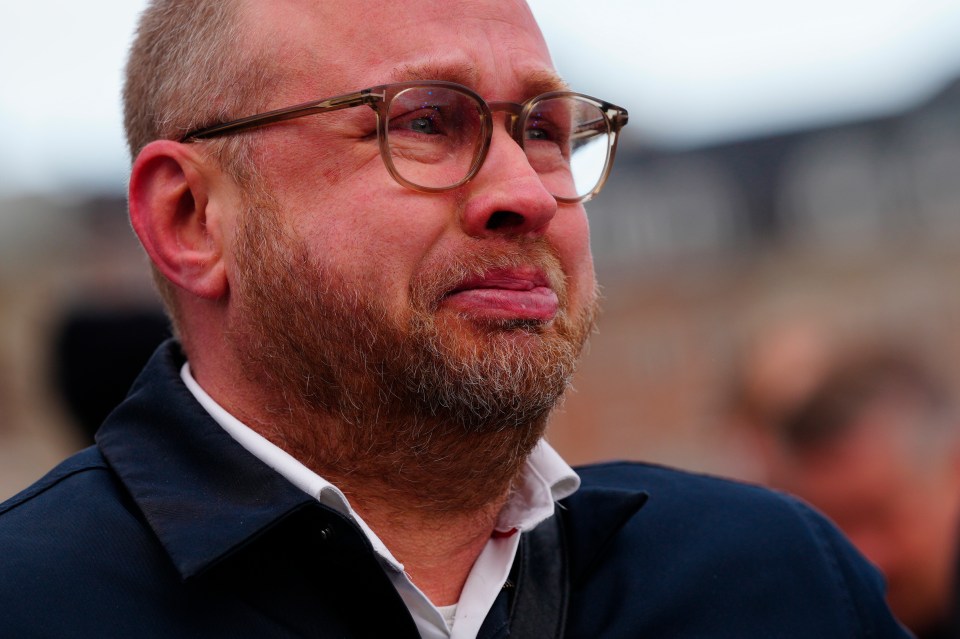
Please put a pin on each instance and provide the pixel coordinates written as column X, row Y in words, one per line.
column 597, row 514
column 201, row 492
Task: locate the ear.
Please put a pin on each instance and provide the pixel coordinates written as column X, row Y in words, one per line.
column 173, row 214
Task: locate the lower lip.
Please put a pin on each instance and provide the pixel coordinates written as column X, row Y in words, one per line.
column 539, row 304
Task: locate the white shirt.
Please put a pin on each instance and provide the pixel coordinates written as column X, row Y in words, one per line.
column 544, row 479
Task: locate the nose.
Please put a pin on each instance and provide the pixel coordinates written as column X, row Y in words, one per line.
column 506, row 197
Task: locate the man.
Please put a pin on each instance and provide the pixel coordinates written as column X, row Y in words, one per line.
column 877, row 448
column 379, row 296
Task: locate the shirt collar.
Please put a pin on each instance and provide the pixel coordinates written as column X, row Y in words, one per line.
column 545, row 479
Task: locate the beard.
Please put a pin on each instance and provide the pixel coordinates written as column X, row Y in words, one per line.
column 421, row 399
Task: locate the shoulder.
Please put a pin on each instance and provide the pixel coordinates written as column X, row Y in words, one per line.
column 72, row 528
column 724, row 506
column 624, row 475
column 706, row 514
column 77, row 505
column 704, row 550
column 689, row 503
column 85, row 469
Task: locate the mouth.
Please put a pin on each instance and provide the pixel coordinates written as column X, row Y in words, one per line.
column 505, row 294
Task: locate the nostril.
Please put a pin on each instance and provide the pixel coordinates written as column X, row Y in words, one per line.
column 504, row 220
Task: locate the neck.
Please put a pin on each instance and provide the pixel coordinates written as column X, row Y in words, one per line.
column 434, row 508
column 438, row 552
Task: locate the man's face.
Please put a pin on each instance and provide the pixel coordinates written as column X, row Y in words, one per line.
column 899, row 506
column 491, row 283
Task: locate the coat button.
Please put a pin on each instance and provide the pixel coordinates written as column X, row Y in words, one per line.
column 326, row 533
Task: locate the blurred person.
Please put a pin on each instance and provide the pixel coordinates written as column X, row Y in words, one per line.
column 98, row 352
column 777, row 369
column 379, row 295
column 876, row 447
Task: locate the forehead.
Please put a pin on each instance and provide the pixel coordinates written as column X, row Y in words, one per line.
column 324, row 47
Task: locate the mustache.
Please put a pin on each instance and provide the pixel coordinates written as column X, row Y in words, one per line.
column 446, row 273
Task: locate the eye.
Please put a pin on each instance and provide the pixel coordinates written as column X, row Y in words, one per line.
column 541, row 129
column 426, row 121
column 533, row 133
column 423, row 125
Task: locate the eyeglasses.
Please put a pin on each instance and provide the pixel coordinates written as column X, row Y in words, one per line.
column 434, row 136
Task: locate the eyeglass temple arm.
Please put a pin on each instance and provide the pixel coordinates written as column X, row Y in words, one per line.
column 615, row 115
column 366, row 96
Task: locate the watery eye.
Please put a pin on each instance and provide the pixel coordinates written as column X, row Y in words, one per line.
column 424, row 120
column 540, row 128
column 536, row 134
column 424, row 125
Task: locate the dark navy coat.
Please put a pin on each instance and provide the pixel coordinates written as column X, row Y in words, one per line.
column 168, row 528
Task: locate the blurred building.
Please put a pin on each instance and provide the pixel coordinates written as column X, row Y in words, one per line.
column 854, row 225
column 68, row 267
column 842, row 187
column 852, row 228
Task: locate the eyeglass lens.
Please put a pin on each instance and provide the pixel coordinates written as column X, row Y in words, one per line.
column 435, row 134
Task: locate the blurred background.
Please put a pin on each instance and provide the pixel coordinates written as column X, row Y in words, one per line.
column 789, row 184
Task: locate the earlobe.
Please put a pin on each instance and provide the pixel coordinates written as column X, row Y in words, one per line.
column 172, row 213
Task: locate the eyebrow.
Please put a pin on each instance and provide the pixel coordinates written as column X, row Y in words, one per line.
column 545, row 80
column 534, row 82
column 464, row 74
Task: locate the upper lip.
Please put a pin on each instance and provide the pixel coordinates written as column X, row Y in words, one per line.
column 511, row 279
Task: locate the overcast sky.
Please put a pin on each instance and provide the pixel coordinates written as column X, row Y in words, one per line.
column 689, row 71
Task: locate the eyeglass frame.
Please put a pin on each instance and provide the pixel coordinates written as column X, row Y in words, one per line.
column 379, row 99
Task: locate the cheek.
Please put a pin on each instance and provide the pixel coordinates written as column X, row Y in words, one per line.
column 376, row 236
column 311, row 159
column 570, row 236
